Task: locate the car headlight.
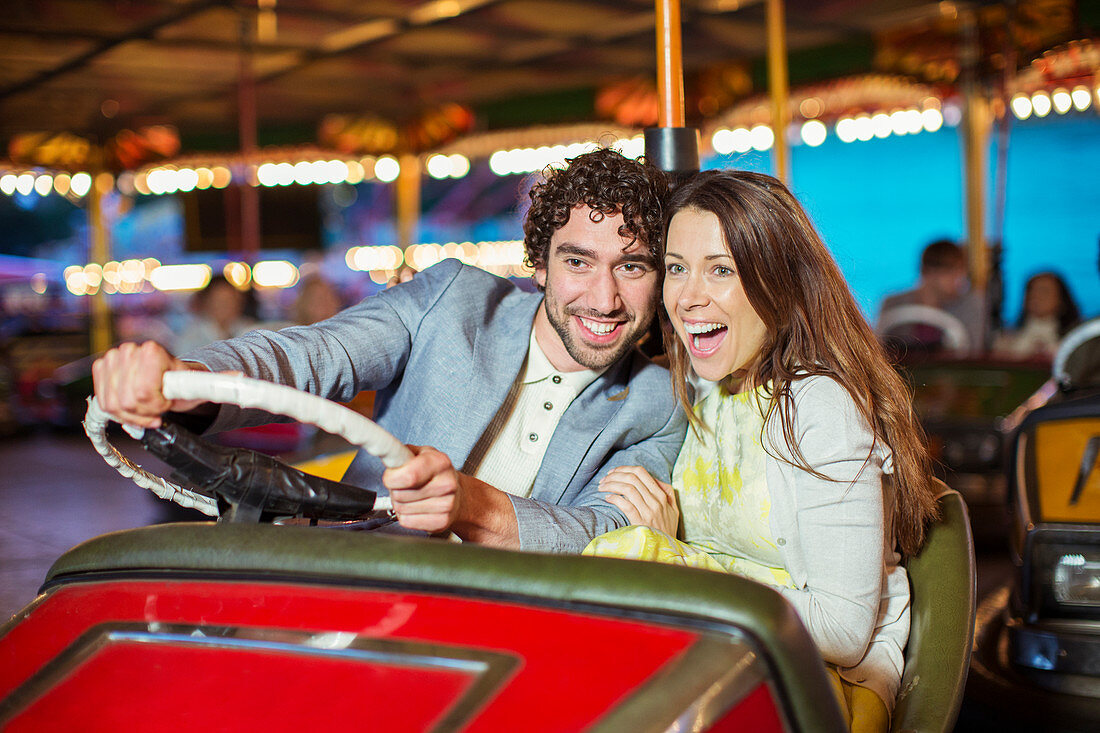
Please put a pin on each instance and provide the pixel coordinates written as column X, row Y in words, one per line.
column 1076, row 580
column 1064, row 577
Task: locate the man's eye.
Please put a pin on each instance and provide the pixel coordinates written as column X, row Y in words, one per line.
column 574, row 262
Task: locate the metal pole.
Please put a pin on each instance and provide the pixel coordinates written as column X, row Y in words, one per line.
column 671, row 146
column 246, row 131
column 100, row 253
column 977, row 124
column 670, row 67
column 408, row 199
column 778, row 87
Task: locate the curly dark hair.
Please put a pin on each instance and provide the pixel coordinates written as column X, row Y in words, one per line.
column 608, row 182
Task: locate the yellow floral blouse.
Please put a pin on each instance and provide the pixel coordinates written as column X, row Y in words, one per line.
column 723, row 491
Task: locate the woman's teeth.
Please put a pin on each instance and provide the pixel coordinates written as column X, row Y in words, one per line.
column 697, row 328
column 705, row 336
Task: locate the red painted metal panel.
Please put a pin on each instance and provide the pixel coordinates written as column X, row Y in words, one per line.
column 152, row 687
column 575, row 666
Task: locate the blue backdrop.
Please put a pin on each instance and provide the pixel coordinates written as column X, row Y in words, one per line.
column 877, row 204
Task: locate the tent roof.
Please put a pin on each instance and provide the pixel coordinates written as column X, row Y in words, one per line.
column 93, row 67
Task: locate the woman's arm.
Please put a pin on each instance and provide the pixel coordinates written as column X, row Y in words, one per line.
column 836, row 553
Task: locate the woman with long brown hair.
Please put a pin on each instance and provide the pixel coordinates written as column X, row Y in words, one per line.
column 805, row 468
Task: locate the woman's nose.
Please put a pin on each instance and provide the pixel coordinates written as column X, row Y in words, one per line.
column 692, row 293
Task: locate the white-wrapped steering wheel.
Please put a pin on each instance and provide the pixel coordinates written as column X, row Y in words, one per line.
column 247, row 393
column 955, row 336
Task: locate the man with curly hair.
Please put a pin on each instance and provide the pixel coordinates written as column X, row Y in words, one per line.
column 515, row 404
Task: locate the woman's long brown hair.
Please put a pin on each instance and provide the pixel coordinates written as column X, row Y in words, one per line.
column 814, row 327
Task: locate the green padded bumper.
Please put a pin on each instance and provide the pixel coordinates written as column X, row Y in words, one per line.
column 267, row 552
column 941, row 632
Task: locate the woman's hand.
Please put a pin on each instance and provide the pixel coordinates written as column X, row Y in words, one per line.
column 643, row 499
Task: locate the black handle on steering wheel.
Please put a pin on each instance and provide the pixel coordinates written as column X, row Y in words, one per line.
column 252, row 485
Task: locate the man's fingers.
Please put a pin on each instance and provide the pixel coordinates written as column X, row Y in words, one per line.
column 425, row 464
column 431, row 505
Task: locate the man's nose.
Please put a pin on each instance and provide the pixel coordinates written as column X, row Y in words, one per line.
column 604, row 294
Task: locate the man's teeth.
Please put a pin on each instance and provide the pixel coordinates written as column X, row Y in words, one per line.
column 597, row 327
column 698, row 328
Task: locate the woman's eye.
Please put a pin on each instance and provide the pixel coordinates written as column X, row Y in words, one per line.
column 723, row 271
column 674, row 269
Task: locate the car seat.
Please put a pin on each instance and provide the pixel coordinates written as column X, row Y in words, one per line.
column 941, row 634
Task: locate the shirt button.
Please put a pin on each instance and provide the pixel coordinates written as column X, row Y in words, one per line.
column 533, row 437
column 556, row 379
column 548, row 405
column 781, row 542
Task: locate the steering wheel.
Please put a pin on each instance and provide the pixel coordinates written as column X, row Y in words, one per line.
column 1088, row 367
column 955, row 336
column 246, row 393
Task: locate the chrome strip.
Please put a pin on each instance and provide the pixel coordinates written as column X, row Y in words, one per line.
column 23, row 613
column 489, row 669
column 692, row 692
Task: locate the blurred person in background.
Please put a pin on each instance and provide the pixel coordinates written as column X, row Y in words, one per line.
column 944, row 295
column 1048, row 313
column 318, row 299
column 219, row 311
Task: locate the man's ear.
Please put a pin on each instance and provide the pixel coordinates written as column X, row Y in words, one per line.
column 540, row 277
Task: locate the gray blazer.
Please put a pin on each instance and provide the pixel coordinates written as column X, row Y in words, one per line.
column 442, row 352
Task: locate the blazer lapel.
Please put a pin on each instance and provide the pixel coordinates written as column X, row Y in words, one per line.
column 500, row 348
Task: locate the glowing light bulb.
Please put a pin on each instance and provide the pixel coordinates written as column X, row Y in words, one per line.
column 813, row 133
column 387, row 169
column 932, row 119
column 1040, row 104
column 1021, row 106
column 1081, row 98
column 722, row 141
column 762, row 137
column 1062, row 101
column 846, row 130
column 439, row 167
column 460, row 165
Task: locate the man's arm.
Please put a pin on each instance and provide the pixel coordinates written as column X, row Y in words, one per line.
column 364, row 347
column 570, row 526
column 429, row 494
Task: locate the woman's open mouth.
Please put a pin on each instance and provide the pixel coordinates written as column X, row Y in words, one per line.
column 705, row 338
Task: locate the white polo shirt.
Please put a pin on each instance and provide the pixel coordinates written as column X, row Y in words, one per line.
column 509, row 453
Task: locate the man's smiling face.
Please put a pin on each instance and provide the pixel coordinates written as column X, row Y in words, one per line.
column 601, row 293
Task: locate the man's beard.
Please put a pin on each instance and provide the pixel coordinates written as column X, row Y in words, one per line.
column 587, row 355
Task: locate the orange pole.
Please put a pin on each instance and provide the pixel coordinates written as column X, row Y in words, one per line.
column 778, row 87
column 100, row 253
column 407, row 194
column 246, row 130
column 670, row 65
